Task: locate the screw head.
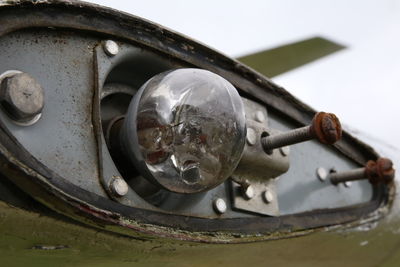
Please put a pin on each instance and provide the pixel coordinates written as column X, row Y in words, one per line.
column 111, row 48
column 259, row 116
column 322, row 174
column 219, row 205
column 251, row 136
column 21, row 97
column 249, row 192
column 119, row 187
column 267, row 196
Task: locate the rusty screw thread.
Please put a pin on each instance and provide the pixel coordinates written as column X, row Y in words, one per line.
column 288, row 138
column 325, row 127
column 379, row 171
column 352, row 175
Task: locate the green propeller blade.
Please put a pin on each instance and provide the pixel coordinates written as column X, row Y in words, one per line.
column 284, row 58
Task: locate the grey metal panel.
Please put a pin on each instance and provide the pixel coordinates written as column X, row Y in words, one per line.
column 300, row 190
column 64, row 68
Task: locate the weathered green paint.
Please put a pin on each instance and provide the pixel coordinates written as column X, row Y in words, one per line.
column 287, row 57
column 21, row 230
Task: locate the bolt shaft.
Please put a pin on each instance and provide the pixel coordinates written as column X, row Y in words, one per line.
column 325, row 127
column 288, row 138
column 377, row 172
column 352, row 175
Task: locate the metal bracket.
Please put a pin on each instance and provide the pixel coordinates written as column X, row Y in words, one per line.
column 257, row 168
column 264, row 199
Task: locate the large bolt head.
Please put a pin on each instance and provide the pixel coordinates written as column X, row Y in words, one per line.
column 22, row 97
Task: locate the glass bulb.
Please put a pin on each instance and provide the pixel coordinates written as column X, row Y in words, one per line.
column 185, row 129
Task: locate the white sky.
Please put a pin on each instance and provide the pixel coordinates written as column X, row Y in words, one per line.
column 360, row 84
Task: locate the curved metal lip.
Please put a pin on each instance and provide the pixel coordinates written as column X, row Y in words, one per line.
column 52, row 190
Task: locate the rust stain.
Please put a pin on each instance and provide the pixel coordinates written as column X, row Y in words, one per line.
column 380, row 171
column 326, row 128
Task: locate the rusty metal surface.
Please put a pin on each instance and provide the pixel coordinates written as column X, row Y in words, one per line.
column 376, row 172
column 326, row 128
column 380, row 171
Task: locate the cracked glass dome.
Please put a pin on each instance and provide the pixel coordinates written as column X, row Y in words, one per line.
column 185, row 130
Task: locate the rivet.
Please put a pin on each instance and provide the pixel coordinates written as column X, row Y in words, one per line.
column 322, row 174
column 111, row 48
column 259, row 116
column 267, row 196
column 119, row 187
column 219, row 205
column 251, row 137
column 249, row 192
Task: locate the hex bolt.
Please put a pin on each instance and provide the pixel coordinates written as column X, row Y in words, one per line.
column 111, row 48
column 325, row 127
column 118, row 186
column 376, row 172
column 22, row 97
column 248, row 191
column 219, row 205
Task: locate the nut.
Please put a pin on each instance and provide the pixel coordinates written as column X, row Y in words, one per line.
column 326, row 128
column 380, row 171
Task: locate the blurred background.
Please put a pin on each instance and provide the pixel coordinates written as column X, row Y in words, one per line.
column 360, row 83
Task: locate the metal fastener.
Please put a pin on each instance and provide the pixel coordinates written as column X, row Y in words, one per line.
column 251, row 136
column 267, row 196
column 111, row 48
column 248, row 191
column 285, row 151
column 119, row 187
column 347, row 184
column 21, row 96
column 219, row 205
column 377, row 172
column 259, row 116
column 325, row 127
column 322, row 174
